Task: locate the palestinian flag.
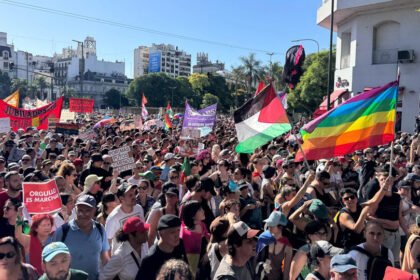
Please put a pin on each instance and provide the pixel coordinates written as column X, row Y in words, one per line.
column 186, row 170
column 169, row 110
column 260, row 120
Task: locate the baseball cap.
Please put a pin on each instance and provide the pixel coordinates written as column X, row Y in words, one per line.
column 404, row 184
column 173, row 191
column 342, row 263
column 168, row 156
column 318, row 209
column 72, row 153
column 123, row 188
column 156, row 168
column 12, row 165
column 323, row 248
column 224, row 152
column 87, row 200
column 168, row 221
column 45, row 162
column 148, row 175
column 92, row 178
column 134, row 224
column 96, row 157
column 412, row 177
column 241, row 230
column 276, row 218
column 53, row 249
column 78, row 162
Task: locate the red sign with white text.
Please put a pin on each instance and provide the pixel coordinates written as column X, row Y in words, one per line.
column 40, row 198
column 81, row 105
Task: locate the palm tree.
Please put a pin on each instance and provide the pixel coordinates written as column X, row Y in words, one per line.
column 42, row 84
column 252, row 68
column 239, row 77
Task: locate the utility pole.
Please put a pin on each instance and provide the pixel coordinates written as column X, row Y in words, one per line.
column 271, row 65
column 330, row 57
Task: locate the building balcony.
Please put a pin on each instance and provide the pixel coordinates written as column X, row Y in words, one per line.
column 345, row 9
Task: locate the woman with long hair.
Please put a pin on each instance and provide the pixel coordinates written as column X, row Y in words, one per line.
column 194, row 233
column 39, row 236
column 8, row 221
column 69, row 173
column 11, row 265
column 108, row 203
column 411, row 258
column 143, row 198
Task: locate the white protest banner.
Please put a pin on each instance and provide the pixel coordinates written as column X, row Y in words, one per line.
column 4, row 125
column 122, row 159
column 66, row 115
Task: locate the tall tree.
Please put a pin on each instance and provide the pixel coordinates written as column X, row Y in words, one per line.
column 41, row 84
column 114, row 99
column 5, row 84
column 209, row 99
column 312, row 88
column 252, row 70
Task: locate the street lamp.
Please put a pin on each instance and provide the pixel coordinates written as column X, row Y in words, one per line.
column 313, row 40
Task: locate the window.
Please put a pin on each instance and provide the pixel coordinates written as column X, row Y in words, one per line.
column 5, row 65
column 5, row 55
column 345, row 50
column 386, row 38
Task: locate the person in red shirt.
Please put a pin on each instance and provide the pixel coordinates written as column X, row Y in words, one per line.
column 13, row 183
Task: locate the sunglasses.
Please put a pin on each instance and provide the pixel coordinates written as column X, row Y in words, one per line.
column 107, row 163
column 174, row 177
column 143, row 188
column 321, row 233
column 350, row 197
column 26, row 160
column 8, row 255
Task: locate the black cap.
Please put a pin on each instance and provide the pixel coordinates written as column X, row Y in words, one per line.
column 96, row 157
column 123, row 188
column 168, row 221
column 268, row 171
column 173, row 191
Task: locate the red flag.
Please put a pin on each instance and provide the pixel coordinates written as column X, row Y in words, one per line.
column 143, row 100
column 260, row 87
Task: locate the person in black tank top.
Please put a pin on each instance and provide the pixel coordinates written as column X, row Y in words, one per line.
column 350, row 220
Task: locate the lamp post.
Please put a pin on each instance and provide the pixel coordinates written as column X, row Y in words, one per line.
column 172, row 95
column 81, row 68
column 313, row 40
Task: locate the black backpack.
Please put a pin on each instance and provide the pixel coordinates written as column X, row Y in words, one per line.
column 376, row 265
column 66, row 228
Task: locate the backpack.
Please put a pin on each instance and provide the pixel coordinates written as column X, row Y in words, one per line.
column 376, row 265
column 66, row 228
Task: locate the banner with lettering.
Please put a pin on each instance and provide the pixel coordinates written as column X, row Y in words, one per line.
column 198, row 123
column 81, row 105
column 21, row 118
column 40, row 198
column 122, row 159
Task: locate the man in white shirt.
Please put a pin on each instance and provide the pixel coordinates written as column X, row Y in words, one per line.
column 128, row 208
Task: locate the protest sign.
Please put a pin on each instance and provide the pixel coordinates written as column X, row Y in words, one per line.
column 127, row 125
column 66, row 115
column 5, row 125
column 201, row 120
column 122, row 159
column 52, row 122
column 81, row 105
column 42, row 197
column 67, row 128
column 25, row 118
column 88, row 134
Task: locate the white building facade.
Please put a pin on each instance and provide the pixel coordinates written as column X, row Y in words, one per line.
column 161, row 58
column 374, row 38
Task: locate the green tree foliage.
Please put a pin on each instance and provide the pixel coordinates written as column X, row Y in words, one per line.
column 113, row 99
column 209, row 99
column 41, row 84
column 5, row 84
column 312, row 88
column 252, row 70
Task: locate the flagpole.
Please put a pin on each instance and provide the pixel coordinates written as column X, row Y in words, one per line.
column 395, row 121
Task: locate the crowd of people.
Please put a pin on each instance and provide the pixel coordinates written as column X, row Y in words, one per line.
column 195, row 209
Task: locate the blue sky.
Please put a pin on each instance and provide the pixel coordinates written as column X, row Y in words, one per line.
column 267, row 25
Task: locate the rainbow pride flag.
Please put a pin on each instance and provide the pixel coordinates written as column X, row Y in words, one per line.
column 168, row 122
column 363, row 121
